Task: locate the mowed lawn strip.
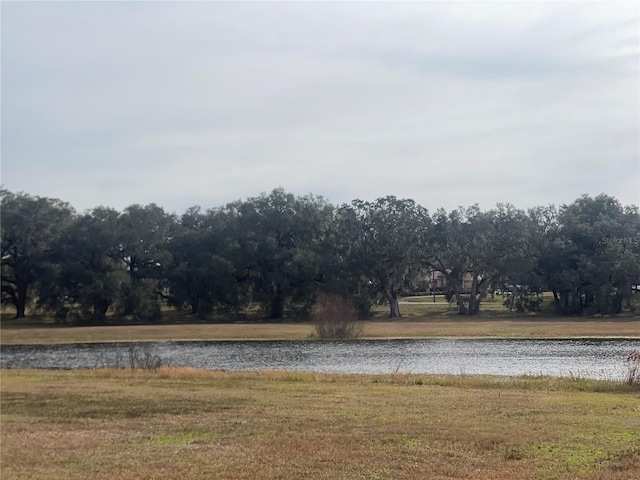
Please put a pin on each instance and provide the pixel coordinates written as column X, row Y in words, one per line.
column 13, row 333
column 195, row 424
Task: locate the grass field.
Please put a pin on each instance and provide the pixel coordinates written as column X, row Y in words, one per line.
column 26, row 332
column 194, row 424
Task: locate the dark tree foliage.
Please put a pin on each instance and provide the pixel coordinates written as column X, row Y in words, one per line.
column 278, row 251
column 29, row 226
column 384, row 244
column 144, row 233
column 283, row 239
column 202, row 274
column 87, row 274
column 592, row 256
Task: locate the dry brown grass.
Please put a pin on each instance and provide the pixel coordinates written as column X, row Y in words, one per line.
column 194, row 424
column 505, row 328
column 15, row 332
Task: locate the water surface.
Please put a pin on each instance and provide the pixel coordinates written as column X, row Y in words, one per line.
column 592, row 358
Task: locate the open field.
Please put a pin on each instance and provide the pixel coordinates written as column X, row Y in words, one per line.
column 194, row 424
column 19, row 332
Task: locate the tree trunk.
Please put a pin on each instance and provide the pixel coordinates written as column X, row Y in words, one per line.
column 277, row 305
column 628, row 296
column 556, row 300
column 195, row 306
column 394, row 306
column 456, row 287
column 21, row 301
column 462, row 308
column 617, row 302
column 565, row 306
column 21, row 307
column 100, row 307
column 581, row 302
column 474, row 303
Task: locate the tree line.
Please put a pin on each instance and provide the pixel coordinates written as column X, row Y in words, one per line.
column 278, row 251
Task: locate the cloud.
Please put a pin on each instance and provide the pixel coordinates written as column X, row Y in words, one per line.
column 447, row 103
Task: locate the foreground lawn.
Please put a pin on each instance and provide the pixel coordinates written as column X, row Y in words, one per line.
column 193, row 424
column 22, row 332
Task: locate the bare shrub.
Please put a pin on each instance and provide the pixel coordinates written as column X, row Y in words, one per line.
column 142, row 357
column 335, row 318
column 633, row 368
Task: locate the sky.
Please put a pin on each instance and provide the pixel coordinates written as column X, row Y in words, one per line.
column 204, row 103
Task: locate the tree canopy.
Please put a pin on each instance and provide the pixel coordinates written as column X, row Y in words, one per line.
column 277, row 251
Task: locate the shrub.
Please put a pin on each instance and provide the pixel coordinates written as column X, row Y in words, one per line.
column 633, row 368
column 335, row 318
column 141, row 356
column 524, row 301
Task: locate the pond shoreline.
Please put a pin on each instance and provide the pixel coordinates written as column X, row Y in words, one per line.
column 320, row 340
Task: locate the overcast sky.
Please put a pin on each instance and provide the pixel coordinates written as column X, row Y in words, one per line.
column 181, row 104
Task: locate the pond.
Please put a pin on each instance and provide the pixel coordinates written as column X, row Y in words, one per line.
column 589, row 358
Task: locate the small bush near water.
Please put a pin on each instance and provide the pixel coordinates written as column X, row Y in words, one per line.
column 335, row 318
column 141, row 356
column 633, row 368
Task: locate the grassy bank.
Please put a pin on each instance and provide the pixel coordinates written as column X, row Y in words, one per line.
column 25, row 332
column 194, row 424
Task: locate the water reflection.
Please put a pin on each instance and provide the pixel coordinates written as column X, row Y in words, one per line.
column 595, row 358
